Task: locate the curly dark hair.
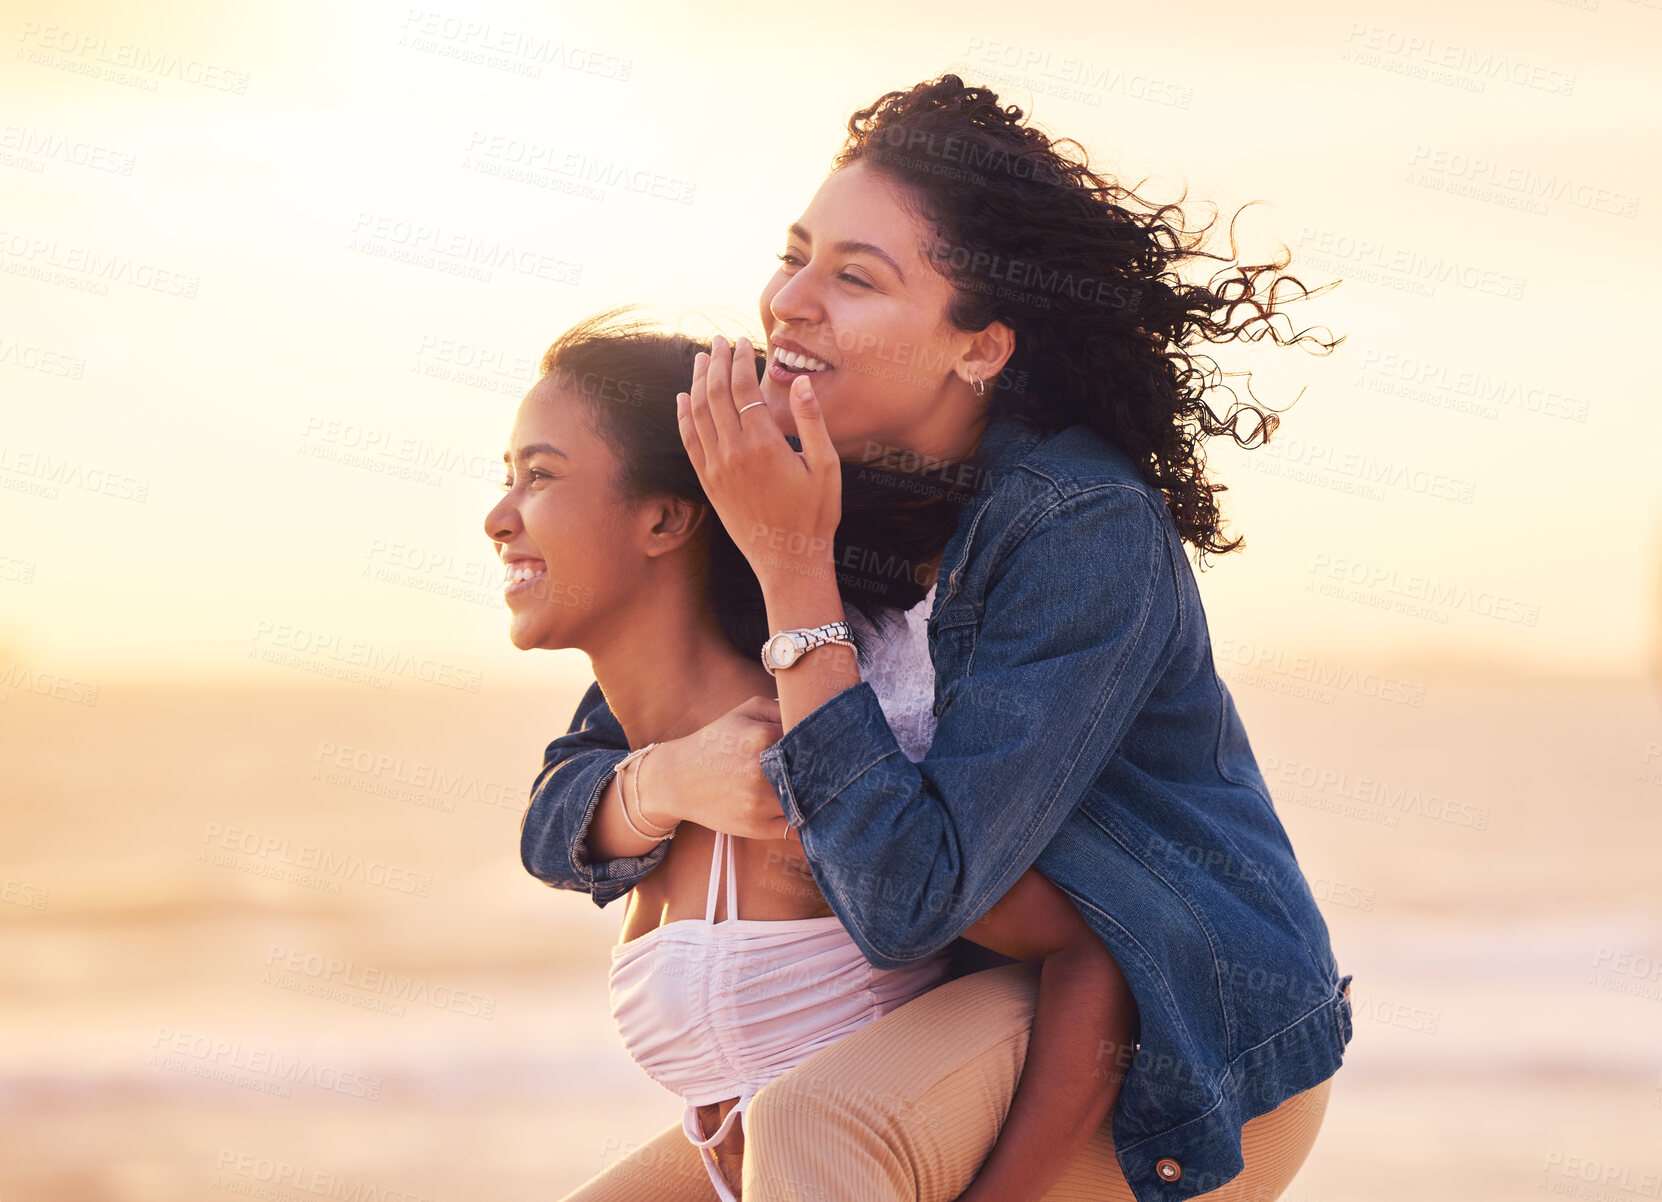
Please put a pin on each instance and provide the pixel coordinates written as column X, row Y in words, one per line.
column 893, row 524
column 1085, row 272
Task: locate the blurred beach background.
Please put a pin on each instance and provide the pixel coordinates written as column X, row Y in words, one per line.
column 273, row 278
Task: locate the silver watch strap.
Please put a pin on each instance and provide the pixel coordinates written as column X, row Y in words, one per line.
column 831, row 632
column 811, row 637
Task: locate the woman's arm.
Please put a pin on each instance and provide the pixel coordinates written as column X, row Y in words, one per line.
column 576, row 780
column 574, row 836
column 1083, row 1029
column 1078, row 622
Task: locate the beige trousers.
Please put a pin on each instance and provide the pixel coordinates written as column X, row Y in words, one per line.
column 907, row 1108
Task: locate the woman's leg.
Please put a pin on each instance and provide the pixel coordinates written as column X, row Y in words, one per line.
column 903, row 1110
column 1273, row 1145
column 907, row 1108
column 664, row 1169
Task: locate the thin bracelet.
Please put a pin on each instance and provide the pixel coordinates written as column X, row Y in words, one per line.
column 623, row 795
column 667, row 831
column 623, row 790
column 623, row 802
column 834, row 643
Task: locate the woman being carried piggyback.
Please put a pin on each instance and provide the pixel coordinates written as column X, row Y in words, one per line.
column 716, row 990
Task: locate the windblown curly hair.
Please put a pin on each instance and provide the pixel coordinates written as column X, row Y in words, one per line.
column 1086, row 273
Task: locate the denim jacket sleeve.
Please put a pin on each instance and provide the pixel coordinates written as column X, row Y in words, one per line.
column 1078, row 621
column 576, row 769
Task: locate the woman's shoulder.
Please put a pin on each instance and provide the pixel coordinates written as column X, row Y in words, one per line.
column 1076, row 459
column 1070, row 521
column 1039, row 473
column 1057, row 513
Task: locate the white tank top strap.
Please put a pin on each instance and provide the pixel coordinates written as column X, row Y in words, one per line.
column 715, row 875
column 732, row 880
column 690, row 1124
column 724, row 842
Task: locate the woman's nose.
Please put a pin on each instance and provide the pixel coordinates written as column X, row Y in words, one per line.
column 798, row 300
column 501, row 522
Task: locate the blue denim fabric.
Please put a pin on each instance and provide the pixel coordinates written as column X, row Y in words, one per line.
column 1083, row 730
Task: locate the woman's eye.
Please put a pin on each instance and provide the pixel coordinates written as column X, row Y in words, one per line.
column 791, row 260
column 532, row 474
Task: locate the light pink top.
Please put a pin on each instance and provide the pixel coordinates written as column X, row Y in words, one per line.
column 715, row 1010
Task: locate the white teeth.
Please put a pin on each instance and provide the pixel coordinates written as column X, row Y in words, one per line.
column 799, row 361
column 518, row 573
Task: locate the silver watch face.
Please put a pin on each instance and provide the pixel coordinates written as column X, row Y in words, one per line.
column 782, row 650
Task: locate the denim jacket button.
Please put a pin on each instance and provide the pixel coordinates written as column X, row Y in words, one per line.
column 1168, row 1169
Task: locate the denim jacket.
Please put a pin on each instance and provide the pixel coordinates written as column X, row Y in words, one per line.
column 1083, row 730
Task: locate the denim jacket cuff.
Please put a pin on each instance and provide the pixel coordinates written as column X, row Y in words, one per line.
column 607, row 880
column 811, row 764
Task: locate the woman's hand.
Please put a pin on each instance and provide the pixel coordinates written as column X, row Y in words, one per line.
column 780, row 506
column 714, row 776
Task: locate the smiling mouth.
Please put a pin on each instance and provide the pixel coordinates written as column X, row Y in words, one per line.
column 523, row 574
column 797, row 364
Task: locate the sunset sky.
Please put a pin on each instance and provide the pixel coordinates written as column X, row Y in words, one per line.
column 248, row 384
column 274, row 275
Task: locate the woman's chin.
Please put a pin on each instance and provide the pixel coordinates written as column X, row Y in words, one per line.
column 527, row 636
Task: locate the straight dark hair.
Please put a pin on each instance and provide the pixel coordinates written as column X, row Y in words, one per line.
column 893, row 522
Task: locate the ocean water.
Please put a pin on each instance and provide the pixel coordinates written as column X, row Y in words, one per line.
column 278, row 942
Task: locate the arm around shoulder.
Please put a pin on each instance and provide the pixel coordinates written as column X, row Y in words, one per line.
column 577, row 768
column 1075, row 629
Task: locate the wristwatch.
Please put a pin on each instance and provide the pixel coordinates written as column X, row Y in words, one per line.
column 786, row 647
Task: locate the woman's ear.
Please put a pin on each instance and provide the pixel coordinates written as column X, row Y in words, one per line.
column 671, row 522
column 988, row 351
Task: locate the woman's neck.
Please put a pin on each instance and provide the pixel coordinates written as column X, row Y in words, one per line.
column 672, row 672
column 668, row 670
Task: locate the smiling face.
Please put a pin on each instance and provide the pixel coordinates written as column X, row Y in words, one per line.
column 562, row 526
column 857, row 295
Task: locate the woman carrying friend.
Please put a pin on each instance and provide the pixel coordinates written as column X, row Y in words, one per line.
column 961, row 290
column 600, row 492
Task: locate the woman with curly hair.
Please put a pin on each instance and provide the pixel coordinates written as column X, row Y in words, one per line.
column 962, row 295
column 611, row 548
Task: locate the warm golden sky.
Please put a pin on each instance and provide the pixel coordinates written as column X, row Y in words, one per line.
column 207, row 312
